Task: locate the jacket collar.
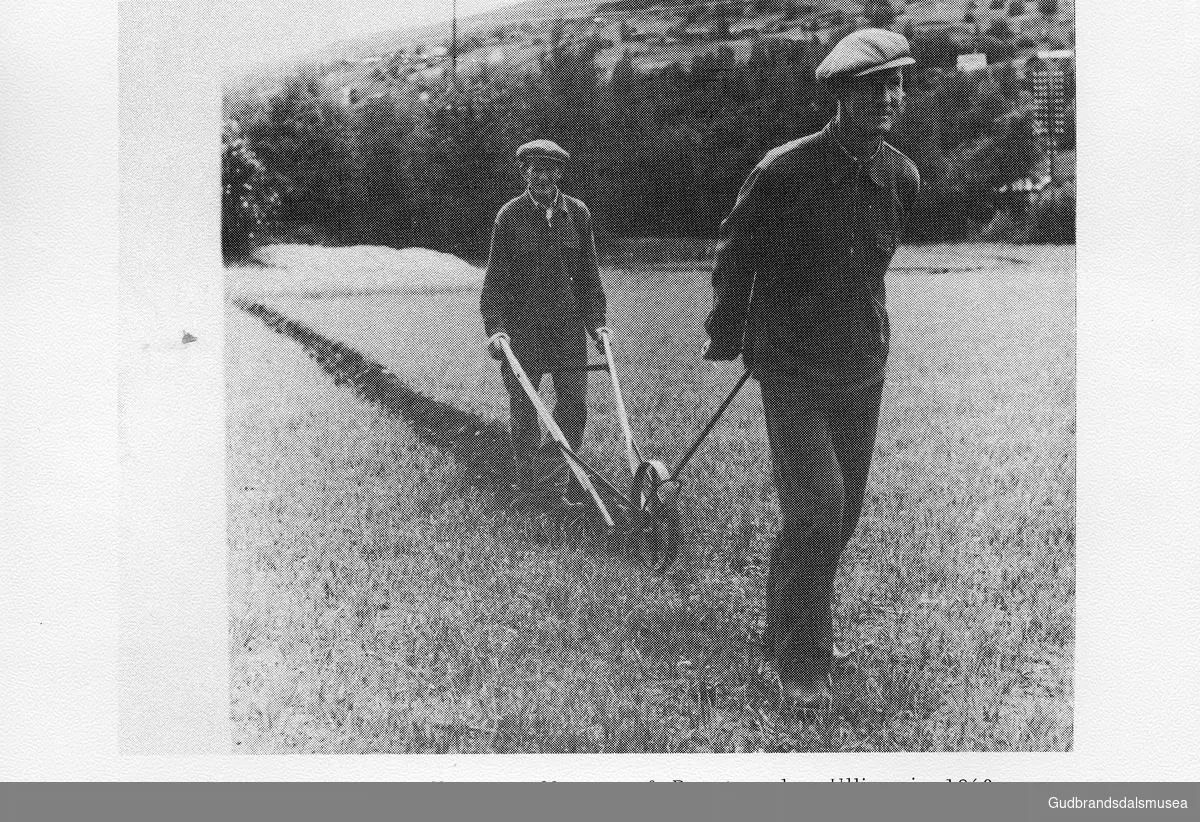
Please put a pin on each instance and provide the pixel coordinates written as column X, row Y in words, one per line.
column 555, row 204
column 842, row 163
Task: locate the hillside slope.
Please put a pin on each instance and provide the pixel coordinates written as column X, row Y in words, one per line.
column 656, row 33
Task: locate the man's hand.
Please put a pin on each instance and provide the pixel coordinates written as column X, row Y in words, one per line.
column 494, row 345
column 712, row 351
column 598, row 336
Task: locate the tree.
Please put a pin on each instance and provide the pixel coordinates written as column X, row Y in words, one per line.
column 1000, row 29
column 247, row 201
column 996, row 49
column 383, row 132
column 1066, row 140
column 308, row 153
column 879, row 13
column 935, row 48
column 1048, row 8
column 765, row 8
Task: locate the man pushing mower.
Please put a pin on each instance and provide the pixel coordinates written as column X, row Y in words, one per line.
column 542, row 297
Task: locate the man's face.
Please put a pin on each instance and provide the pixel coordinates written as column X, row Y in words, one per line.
column 542, row 176
column 871, row 104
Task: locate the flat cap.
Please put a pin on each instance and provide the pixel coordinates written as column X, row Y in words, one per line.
column 544, row 149
column 865, row 51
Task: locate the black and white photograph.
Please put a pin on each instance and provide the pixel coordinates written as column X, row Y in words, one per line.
column 654, row 377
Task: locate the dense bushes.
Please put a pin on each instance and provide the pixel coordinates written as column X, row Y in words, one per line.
column 1052, row 217
column 247, row 202
column 653, row 154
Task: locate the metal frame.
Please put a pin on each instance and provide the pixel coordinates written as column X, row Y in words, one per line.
column 555, row 432
column 645, row 508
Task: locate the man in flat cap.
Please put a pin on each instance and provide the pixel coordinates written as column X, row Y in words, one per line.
column 798, row 292
column 542, row 292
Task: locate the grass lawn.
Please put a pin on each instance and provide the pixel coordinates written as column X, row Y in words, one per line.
column 380, row 604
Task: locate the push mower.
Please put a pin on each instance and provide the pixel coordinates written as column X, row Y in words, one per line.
column 647, row 521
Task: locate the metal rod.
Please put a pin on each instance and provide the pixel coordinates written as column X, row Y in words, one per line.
column 555, row 432
column 695, row 445
column 598, row 366
column 734, row 392
column 631, row 450
column 596, row 475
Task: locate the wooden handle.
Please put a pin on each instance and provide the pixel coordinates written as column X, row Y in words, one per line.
column 631, row 450
column 555, row 432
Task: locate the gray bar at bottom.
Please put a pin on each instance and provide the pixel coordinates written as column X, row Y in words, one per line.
column 695, row 802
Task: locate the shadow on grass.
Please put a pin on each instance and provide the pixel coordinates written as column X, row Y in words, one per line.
column 481, row 447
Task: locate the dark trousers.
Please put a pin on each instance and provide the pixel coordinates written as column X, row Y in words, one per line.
column 570, row 412
column 821, row 446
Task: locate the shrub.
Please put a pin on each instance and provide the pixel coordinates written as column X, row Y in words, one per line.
column 996, row 49
column 763, row 8
column 1003, row 229
column 303, row 139
column 880, row 13
column 247, row 202
column 1066, row 140
column 1000, row 29
column 935, row 48
column 1052, row 217
column 793, row 9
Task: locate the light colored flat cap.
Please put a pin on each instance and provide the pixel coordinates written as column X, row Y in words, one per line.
column 863, row 52
column 542, row 149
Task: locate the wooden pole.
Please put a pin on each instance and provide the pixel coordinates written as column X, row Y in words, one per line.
column 555, row 432
column 631, row 450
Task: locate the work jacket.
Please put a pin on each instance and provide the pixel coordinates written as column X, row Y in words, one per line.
column 542, row 285
column 814, row 230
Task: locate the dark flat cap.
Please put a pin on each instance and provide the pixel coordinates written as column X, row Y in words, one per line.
column 865, row 51
column 542, row 149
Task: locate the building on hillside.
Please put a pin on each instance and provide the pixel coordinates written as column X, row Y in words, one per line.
column 975, row 61
column 1047, row 73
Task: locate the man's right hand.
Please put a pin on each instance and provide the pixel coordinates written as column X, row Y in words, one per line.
column 714, row 352
column 494, row 349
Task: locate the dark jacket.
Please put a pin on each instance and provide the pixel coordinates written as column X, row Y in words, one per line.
column 543, row 285
column 815, row 231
